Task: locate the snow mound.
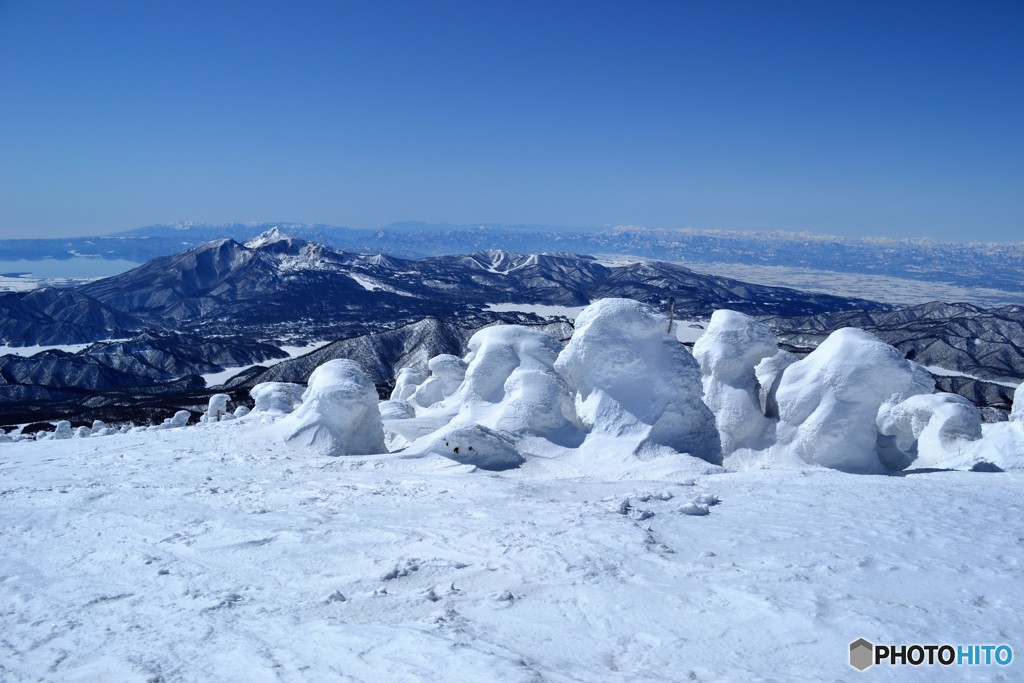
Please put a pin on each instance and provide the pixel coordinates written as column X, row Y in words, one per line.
column 829, row 401
column 731, row 346
column 446, row 375
column 929, row 428
column 63, row 430
column 475, row 445
column 511, row 385
column 276, row 397
column 338, row 415
column 634, row 380
column 1001, row 448
column 180, row 419
column 406, row 383
column 217, row 408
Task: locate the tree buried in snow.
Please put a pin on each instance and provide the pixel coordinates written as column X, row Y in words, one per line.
column 276, row 397
column 407, row 381
column 930, row 428
column 511, row 385
column 1017, row 412
column 338, row 415
column 829, row 401
column 446, row 375
column 635, row 380
column 217, row 408
column 728, row 351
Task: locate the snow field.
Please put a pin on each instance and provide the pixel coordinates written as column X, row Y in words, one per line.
column 214, row 554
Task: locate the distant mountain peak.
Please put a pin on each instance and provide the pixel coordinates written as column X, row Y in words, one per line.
column 268, row 237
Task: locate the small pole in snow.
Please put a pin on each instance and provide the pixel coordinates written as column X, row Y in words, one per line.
column 671, row 314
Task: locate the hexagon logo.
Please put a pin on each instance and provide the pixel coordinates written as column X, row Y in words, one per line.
column 862, row 654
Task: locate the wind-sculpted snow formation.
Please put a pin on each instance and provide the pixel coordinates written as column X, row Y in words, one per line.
column 338, row 415
column 623, row 391
column 729, row 351
column 635, row 382
column 930, row 428
column 1017, row 414
column 511, row 385
column 446, row 375
column 828, row 402
column 276, row 397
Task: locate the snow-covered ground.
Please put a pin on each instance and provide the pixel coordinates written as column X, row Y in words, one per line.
column 546, row 513
column 217, row 553
column 27, row 351
column 894, row 290
column 214, row 379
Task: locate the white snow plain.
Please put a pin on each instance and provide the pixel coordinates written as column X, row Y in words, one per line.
column 538, row 519
column 217, row 553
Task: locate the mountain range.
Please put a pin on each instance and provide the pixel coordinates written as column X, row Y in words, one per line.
column 154, row 330
column 977, row 264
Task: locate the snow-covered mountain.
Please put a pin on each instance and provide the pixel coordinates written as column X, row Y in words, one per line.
column 231, row 305
column 986, row 265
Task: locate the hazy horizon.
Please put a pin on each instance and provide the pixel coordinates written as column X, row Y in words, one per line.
column 426, row 225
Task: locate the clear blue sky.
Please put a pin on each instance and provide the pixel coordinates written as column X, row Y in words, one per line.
column 860, row 118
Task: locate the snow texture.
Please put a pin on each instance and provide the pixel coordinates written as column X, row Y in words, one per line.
column 396, row 410
column 633, row 379
column 338, row 415
column 829, row 401
column 217, row 554
column 728, row 351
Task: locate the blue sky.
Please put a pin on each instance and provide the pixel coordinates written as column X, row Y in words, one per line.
column 861, row 118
